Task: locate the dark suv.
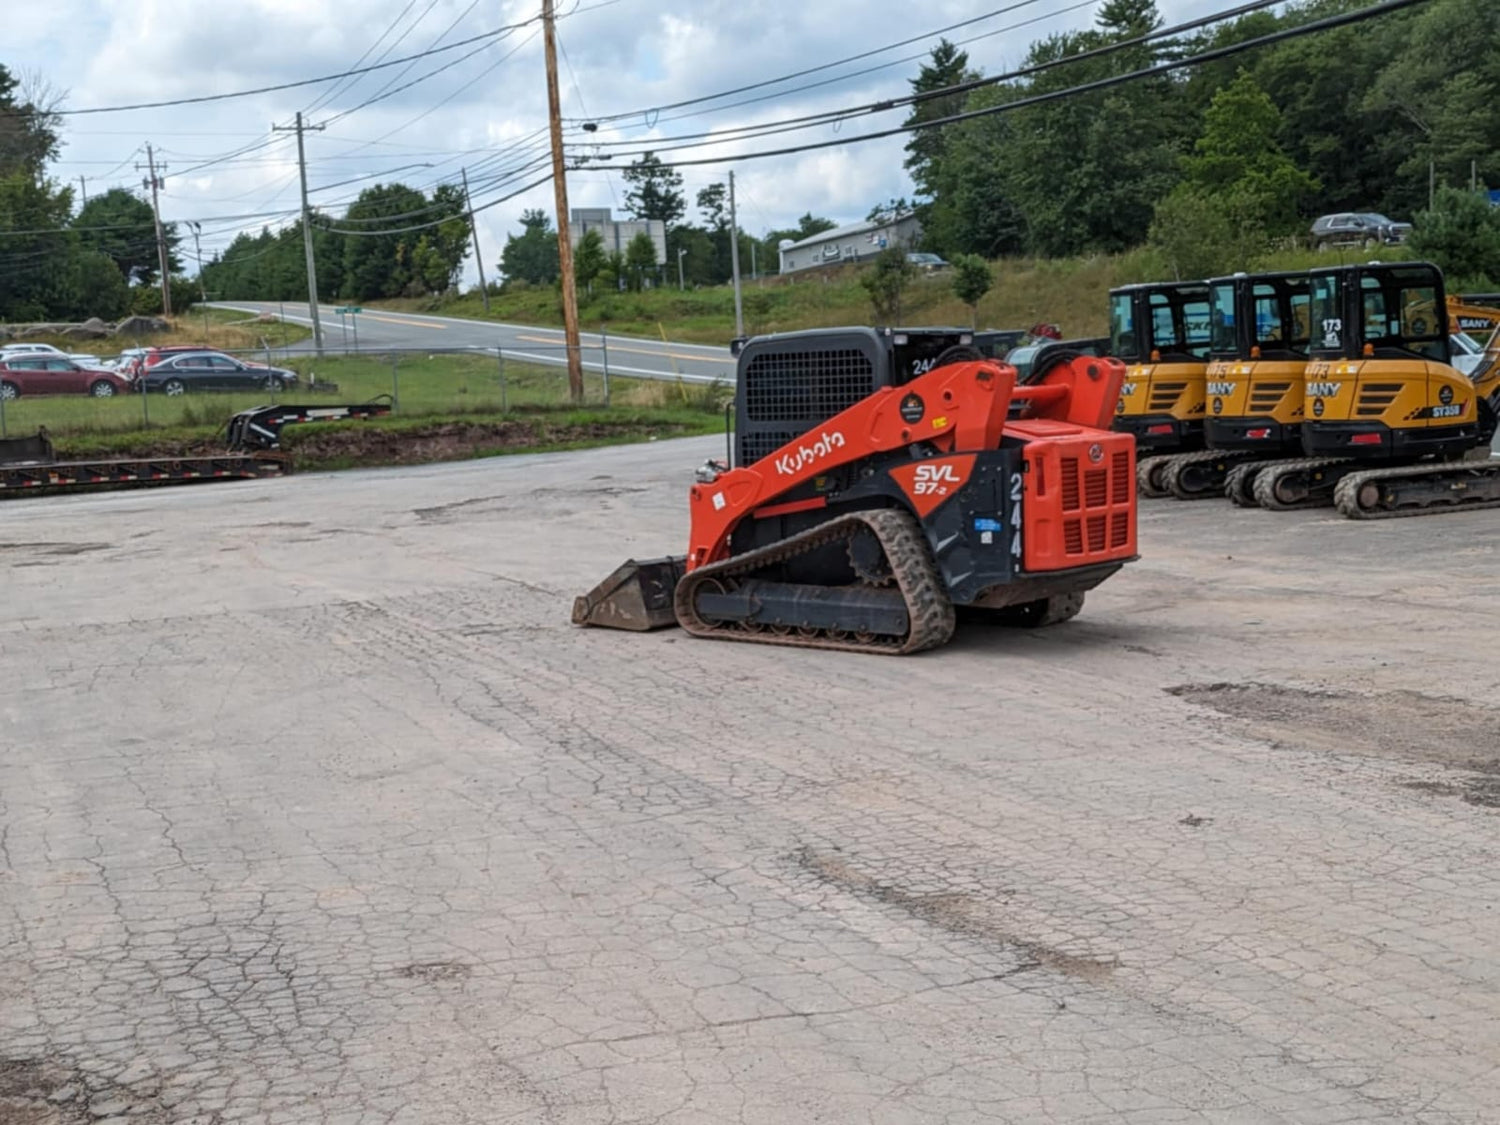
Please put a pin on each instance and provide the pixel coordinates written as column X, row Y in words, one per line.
column 1357, row 228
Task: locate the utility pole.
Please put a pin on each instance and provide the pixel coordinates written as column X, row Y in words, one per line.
column 560, row 193
column 154, row 183
column 734, row 262
column 198, row 247
column 484, row 290
column 307, row 239
column 84, row 188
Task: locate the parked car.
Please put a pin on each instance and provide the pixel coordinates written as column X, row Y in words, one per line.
column 40, row 374
column 1357, row 228
column 1467, row 355
column 927, row 263
column 211, row 371
column 85, row 358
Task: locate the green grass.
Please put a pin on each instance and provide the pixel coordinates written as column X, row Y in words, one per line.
column 1069, row 292
column 448, row 406
column 422, row 385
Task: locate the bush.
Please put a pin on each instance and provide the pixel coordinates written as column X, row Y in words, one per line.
column 1461, row 233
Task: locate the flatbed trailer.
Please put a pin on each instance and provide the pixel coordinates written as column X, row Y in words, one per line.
column 253, row 452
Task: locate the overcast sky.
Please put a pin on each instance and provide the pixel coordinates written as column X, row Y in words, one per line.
column 488, row 111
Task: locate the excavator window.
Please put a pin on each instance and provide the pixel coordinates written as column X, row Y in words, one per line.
column 1223, row 339
column 1327, row 317
column 1402, row 314
column 1180, row 324
column 1123, row 343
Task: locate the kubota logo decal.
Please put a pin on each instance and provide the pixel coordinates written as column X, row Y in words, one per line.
column 790, row 464
column 1324, row 390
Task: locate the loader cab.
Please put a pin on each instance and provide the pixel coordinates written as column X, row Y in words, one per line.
column 1161, row 332
column 1260, row 331
column 1380, row 381
column 791, row 382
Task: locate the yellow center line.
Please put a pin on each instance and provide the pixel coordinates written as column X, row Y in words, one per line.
column 557, row 340
column 404, row 323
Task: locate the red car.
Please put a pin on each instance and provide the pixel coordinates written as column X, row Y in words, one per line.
column 53, row 375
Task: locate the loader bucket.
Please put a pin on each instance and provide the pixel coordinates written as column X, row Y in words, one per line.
column 637, row 596
column 26, row 450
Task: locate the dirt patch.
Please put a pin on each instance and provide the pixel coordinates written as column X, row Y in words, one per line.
column 433, row 971
column 369, row 445
column 1481, row 791
column 453, row 441
column 45, row 1092
column 959, row 913
column 1401, row 725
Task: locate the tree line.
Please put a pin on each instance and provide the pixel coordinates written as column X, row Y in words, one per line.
column 62, row 261
column 393, row 241
column 1215, row 163
column 55, row 263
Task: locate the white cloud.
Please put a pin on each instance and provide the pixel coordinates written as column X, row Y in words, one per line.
column 618, row 56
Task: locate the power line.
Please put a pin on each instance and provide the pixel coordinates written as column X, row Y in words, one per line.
column 812, row 69
column 1324, row 24
column 482, row 37
column 460, row 214
column 328, row 94
column 837, row 116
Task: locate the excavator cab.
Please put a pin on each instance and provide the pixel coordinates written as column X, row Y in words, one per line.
column 1160, row 331
column 1260, row 332
column 1380, row 385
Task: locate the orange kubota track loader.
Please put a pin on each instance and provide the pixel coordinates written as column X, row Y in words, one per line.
column 877, row 492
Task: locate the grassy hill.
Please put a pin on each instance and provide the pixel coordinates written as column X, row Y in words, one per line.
column 1069, row 292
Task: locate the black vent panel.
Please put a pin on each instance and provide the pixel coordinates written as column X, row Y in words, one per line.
column 803, row 388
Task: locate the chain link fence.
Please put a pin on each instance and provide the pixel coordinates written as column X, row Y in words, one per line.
column 187, row 389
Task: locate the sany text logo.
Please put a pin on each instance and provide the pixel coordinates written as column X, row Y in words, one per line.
column 1127, row 389
column 1221, row 389
column 790, row 464
column 1324, row 390
column 935, row 480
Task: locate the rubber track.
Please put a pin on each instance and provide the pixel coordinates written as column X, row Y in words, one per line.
column 1346, row 495
column 1172, row 474
column 1265, row 481
column 928, row 606
column 1145, row 469
column 1235, row 487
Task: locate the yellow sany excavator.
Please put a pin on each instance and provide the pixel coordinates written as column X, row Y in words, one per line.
column 1160, row 331
column 1475, row 313
column 1388, row 422
column 1258, row 337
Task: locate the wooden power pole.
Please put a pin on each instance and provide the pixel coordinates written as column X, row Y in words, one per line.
column 484, row 290
column 307, row 239
column 560, row 191
column 154, row 183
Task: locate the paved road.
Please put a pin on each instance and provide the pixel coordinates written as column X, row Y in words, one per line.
column 377, row 328
column 314, row 809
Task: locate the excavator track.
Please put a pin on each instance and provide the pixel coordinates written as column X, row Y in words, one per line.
column 1150, row 473
column 918, row 593
column 1285, row 486
column 1239, row 485
column 1418, row 490
column 1201, row 475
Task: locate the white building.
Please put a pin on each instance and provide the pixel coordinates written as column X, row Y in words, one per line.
column 852, row 243
column 616, row 233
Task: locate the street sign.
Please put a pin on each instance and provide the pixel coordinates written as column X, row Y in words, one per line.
column 347, row 309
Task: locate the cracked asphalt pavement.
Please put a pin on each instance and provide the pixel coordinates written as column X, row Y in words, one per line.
column 313, row 808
